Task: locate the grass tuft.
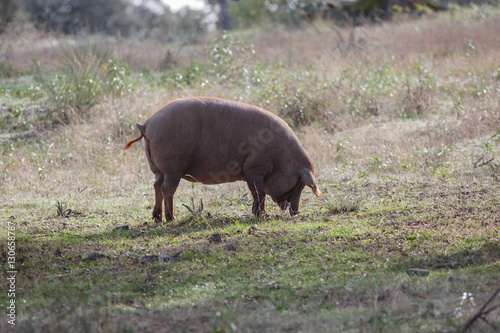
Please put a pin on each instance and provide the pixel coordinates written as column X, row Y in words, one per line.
column 343, row 205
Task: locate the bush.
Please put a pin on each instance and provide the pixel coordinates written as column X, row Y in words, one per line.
column 117, row 78
column 85, row 79
column 73, row 91
column 229, row 59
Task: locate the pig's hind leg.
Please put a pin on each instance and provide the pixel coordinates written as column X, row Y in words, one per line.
column 158, row 197
column 170, row 183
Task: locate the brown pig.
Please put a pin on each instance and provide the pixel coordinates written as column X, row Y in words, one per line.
column 212, row 141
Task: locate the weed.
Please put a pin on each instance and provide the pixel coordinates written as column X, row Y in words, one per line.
column 415, row 102
column 229, row 59
column 117, row 78
column 362, row 174
column 496, row 136
column 376, row 163
column 193, row 209
column 61, row 212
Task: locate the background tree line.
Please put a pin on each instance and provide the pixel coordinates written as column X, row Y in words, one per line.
column 102, row 16
column 154, row 17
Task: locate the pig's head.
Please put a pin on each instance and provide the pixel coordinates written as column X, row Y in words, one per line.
column 291, row 198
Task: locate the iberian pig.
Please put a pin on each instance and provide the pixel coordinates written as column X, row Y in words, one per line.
column 212, row 141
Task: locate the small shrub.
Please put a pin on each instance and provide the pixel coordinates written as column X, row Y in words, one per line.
column 416, row 101
column 229, row 59
column 194, row 73
column 117, row 78
column 168, row 62
column 299, row 107
column 73, row 91
column 68, row 94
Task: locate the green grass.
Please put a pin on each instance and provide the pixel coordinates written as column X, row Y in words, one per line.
column 311, row 272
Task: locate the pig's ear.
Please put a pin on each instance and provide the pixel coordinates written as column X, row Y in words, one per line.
column 307, row 178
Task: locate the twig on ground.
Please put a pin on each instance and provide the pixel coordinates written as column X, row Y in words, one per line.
column 481, row 162
column 483, row 312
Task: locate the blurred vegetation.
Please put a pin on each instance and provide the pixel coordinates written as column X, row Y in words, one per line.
column 87, row 76
column 112, row 17
column 153, row 17
column 94, row 67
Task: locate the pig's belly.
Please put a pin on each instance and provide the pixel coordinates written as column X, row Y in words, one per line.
column 225, row 173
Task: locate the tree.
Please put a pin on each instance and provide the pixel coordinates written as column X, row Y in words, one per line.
column 69, row 16
column 224, row 15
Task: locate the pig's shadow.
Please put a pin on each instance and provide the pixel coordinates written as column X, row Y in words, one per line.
column 186, row 225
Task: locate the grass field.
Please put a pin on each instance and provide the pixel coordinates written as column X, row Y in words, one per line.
column 403, row 127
